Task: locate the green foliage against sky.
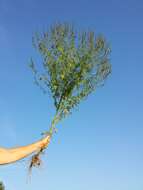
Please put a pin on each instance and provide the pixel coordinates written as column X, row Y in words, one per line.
column 2, row 186
column 74, row 65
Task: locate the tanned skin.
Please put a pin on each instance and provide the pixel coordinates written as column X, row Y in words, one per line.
column 11, row 155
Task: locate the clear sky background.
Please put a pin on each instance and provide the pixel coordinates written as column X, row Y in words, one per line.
column 99, row 147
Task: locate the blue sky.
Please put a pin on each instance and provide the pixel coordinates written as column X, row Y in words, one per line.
column 101, row 145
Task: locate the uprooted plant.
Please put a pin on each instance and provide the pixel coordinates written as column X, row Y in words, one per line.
column 74, row 64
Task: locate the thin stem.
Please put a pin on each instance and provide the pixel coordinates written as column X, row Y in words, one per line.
column 54, row 122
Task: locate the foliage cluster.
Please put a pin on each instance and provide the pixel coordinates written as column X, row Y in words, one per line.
column 2, row 186
column 75, row 64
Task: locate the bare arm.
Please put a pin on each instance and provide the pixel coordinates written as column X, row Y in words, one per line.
column 8, row 156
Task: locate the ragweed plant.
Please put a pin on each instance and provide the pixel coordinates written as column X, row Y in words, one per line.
column 74, row 65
